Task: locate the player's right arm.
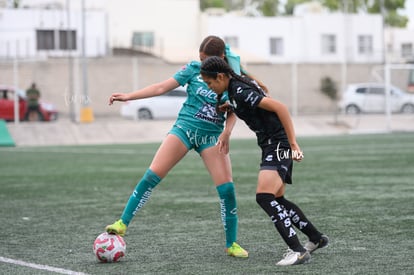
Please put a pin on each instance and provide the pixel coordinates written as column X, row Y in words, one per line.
column 282, row 112
column 149, row 91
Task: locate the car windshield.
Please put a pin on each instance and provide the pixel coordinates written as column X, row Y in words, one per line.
column 8, row 93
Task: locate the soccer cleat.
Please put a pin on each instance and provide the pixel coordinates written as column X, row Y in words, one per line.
column 311, row 246
column 237, row 251
column 117, row 227
column 293, row 258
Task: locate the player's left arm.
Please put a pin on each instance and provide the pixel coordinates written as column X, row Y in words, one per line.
column 152, row 90
column 282, row 112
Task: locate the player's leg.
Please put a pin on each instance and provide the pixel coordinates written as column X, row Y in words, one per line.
column 171, row 151
column 269, row 182
column 316, row 239
column 219, row 168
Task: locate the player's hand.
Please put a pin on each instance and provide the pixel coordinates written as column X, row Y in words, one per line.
column 223, row 143
column 117, row 97
column 297, row 153
column 225, row 107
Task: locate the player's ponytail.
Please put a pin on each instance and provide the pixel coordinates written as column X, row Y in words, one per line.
column 219, row 96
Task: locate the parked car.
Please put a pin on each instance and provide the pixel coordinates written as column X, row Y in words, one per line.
column 160, row 107
column 7, row 94
column 370, row 98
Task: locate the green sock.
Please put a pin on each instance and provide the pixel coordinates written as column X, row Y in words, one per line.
column 140, row 195
column 228, row 207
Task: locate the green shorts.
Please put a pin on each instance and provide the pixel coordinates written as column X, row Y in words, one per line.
column 195, row 139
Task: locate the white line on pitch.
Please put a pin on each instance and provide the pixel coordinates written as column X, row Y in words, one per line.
column 40, row 266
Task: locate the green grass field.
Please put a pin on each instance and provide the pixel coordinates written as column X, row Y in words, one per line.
column 357, row 189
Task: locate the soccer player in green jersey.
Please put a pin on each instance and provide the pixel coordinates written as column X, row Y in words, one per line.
column 198, row 126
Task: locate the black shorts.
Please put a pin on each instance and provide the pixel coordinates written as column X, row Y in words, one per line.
column 278, row 157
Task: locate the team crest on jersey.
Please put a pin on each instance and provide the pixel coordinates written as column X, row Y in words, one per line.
column 207, row 112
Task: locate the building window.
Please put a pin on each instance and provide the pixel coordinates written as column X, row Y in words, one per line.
column 55, row 40
column 328, row 44
column 45, row 39
column 143, row 39
column 276, row 46
column 233, row 41
column 67, row 40
column 365, row 44
column 407, row 50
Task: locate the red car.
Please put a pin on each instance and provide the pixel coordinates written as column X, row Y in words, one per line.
column 7, row 94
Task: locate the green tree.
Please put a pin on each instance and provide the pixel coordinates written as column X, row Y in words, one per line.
column 234, row 4
column 351, row 6
column 291, row 4
column 329, row 88
column 205, row 4
column 389, row 8
column 269, row 7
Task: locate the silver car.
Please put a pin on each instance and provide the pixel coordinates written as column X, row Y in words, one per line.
column 165, row 106
column 370, row 98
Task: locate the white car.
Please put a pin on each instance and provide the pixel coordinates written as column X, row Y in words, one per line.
column 370, row 98
column 165, row 106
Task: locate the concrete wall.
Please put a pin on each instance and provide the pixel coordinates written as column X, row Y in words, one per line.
column 123, row 74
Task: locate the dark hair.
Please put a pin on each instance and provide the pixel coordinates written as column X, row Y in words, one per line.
column 212, row 46
column 215, row 46
column 214, row 65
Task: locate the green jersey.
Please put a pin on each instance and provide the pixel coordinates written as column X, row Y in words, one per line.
column 199, row 110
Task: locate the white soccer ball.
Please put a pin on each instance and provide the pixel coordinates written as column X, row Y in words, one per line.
column 109, row 247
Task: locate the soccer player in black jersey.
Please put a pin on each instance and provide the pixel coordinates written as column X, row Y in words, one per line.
column 271, row 121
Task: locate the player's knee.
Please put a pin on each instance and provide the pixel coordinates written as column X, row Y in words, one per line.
column 281, row 200
column 263, row 198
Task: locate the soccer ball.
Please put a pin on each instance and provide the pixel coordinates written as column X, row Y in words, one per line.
column 109, row 247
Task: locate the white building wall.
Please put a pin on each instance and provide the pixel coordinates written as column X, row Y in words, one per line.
column 367, row 25
column 18, row 32
column 395, row 38
column 302, row 36
column 179, row 27
column 16, row 39
column 175, row 24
